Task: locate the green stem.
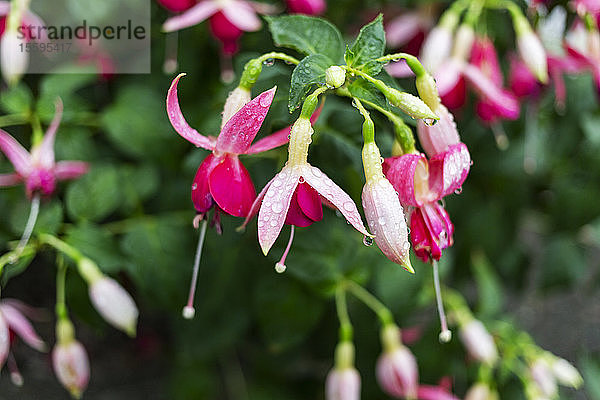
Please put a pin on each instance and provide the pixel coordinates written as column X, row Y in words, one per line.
column 376, row 82
column 12, row 119
column 278, row 56
column 474, row 12
column 384, row 314
column 310, row 103
column 61, row 273
column 412, row 61
column 61, row 246
column 341, row 307
column 368, row 129
column 13, row 256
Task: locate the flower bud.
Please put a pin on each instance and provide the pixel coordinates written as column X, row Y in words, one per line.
column 543, row 378
column 114, row 304
column 411, row 105
column 566, row 373
column 481, row 391
column 237, row 99
column 397, row 371
column 436, row 48
column 428, row 90
column 342, row 384
column 335, row 76
column 465, row 37
column 478, row 342
column 13, row 61
column 71, row 366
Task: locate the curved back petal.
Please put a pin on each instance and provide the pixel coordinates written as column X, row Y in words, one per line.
column 241, row 129
column 18, row 156
column 193, row 16
column 400, row 171
column 448, row 171
column 44, row 154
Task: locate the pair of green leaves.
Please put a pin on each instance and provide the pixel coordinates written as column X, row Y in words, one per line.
column 323, row 46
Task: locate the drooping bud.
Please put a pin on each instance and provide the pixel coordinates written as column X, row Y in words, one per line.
column 13, row 60
column 70, row 360
column 397, row 371
column 428, row 90
column 335, row 76
column 543, row 377
column 566, row 373
column 411, row 105
column 530, row 48
column 478, row 342
column 114, row 304
column 437, row 138
column 343, row 381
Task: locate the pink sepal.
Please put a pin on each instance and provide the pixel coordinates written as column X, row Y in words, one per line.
column 426, row 392
column 4, row 340
column 505, row 103
column 22, row 327
column 400, row 171
column 308, row 7
column 10, row 179
column 70, row 169
column 241, row 129
column 448, row 170
column 192, row 16
column 256, row 204
column 201, row 196
column 16, row 154
column 43, row 156
column 437, row 138
column 231, row 186
column 180, row 124
column 242, row 15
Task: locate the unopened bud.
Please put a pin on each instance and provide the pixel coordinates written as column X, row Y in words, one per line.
column 71, row 366
column 335, row 76
column 478, row 342
column 411, row 105
column 114, row 304
column 533, row 54
column 566, row 373
column 427, row 90
column 13, row 61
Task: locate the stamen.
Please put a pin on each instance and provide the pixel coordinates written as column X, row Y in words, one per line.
column 445, row 334
column 15, row 375
column 280, row 266
column 196, row 220
column 33, row 214
column 500, row 136
column 188, row 310
column 170, row 64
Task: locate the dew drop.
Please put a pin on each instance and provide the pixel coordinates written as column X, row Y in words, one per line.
column 367, row 241
column 316, row 172
column 458, row 191
column 277, row 208
column 194, row 186
column 430, row 121
column 273, row 222
column 381, row 160
column 269, row 61
column 301, row 179
column 349, row 206
column 289, row 136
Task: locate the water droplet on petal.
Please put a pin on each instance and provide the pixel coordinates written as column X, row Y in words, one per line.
column 349, row 206
column 301, row 180
column 277, row 208
column 194, row 186
column 367, row 241
column 316, row 172
column 430, row 121
column 458, row 191
column 273, row 222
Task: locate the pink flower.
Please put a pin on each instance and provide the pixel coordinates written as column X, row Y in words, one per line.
column 13, row 319
column 479, row 343
column 38, row 169
column 397, row 373
column 342, row 384
column 72, row 367
column 521, row 81
column 407, row 26
column 584, row 47
column 308, row 7
column 420, row 184
column 177, row 5
column 114, row 304
column 228, row 19
column 427, row 392
column 222, row 181
column 293, row 196
column 543, row 378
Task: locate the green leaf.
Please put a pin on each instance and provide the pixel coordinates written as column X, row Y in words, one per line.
column 95, row 195
column 369, row 45
column 307, row 74
column 137, row 124
column 490, row 292
column 366, row 91
column 308, row 35
column 590, row 370
column 98, row 244
column 137, row 183
column 16, row 100
column 286, row 312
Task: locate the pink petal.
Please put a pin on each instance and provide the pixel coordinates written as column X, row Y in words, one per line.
column 332, row 192
column 242, row 15
column 426, row 392
column 44, row 154
column 448, row 171
column 484, row 57
column 436, row 138
column 4, row 7
column 10, row 179
column 264, row 8
column 193, row 16
column 177, row 5
column 308, row 7
column 4, row 340
column 280, row 137
column 231, row 186
column 431, row 231
column 180, row 124
column 505, row 102
column 310, row 202
column 447, row 77
column 399, row 69
column 64, row 170
column 400, row 171
column 420, row 237
column 295, row 215
column 385, row 218
column 521, row 80
column 274, row 208
column 241, row 129
column 40, row 180
column 201, row 196
column 403, row 28
column 22, row 327
column 457, row 96
column 18, row 156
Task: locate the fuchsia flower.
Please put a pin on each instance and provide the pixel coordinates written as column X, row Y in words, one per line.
column 13, row 319
column 294, row 195
column 342, row 384
column 222, row 181
column 479, row 343
column 228, row 19
column 72, row 367
column 177, row 5
column 308, row 7
column 38, row 169
column 397, row 371
column 408, row 27
column 428, row 392
column 584, row 47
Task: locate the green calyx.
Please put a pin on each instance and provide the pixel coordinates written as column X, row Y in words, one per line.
column 344, row 355
column 390, row 337
column 251, row 73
